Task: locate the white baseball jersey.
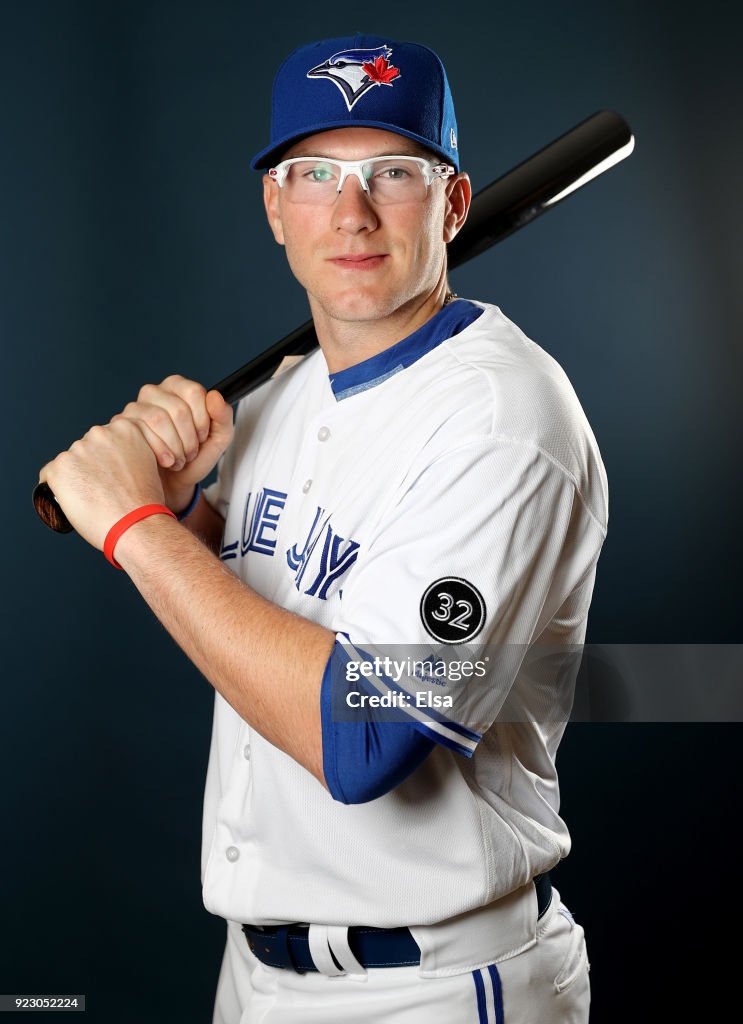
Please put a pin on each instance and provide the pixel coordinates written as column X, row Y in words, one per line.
column 449, row 488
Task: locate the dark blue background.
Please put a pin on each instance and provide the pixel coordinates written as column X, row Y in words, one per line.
column 133, row 245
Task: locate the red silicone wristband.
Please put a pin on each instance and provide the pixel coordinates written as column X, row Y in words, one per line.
column 113, row 535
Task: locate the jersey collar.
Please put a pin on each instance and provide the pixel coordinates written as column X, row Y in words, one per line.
column 449, row 320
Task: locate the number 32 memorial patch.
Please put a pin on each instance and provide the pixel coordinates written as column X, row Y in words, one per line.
column 453, row 610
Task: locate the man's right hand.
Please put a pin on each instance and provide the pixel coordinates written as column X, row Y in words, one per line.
column 186, row 427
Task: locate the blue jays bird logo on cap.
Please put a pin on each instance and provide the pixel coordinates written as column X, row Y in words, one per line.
column 355, row 72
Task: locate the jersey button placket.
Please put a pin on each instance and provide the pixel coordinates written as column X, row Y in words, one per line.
column 323, row 434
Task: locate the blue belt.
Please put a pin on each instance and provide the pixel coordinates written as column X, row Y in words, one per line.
column 288, row 945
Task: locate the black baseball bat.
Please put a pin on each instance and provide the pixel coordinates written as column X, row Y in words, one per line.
column 506, row 205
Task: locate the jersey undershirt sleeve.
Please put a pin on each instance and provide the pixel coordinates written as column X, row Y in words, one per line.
column 367, row 757
column 474, row 558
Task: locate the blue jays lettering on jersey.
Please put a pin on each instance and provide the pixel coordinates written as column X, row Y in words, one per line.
column 258, row 525
column 335, row 559
column 334, row 554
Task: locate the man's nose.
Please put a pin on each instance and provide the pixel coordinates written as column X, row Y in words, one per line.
column 353, row 209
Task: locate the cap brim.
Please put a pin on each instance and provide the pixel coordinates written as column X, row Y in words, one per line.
column 269, row 156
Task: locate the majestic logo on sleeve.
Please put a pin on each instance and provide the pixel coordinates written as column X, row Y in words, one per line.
column 355, row 72
column 452, row 610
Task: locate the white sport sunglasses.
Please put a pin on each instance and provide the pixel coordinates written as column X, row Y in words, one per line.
column 385, row 179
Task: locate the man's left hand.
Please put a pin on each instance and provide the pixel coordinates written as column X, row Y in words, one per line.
column 100, row 478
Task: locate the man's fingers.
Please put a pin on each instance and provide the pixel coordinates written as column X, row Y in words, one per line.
column 168, row 452
column 194, row 395
column 165, row 412
column 159, row 431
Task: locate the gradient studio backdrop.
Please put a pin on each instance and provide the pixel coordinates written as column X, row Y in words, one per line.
column 133, row 245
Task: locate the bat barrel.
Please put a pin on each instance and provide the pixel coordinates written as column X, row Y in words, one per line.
column 541, row 182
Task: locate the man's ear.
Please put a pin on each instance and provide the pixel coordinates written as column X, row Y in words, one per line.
column 458, row 198
column 271, row 202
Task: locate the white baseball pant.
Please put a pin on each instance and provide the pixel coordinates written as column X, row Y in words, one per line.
column 545, row 984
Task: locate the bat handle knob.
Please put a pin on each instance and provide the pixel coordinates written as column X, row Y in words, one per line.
column 49, row 511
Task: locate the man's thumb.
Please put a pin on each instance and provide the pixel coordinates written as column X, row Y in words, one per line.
column 220, row 414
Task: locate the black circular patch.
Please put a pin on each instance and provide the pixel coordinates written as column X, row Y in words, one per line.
column 452, row 610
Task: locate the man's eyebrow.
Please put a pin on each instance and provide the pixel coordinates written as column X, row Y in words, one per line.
column 369, row 156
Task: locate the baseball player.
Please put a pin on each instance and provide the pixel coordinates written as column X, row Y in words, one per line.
column 404, row 529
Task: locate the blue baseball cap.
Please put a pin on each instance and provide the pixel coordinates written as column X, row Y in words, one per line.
column 365, row 82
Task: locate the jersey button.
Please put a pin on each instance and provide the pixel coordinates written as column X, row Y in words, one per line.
column 323, row 434
column 246, row 751
column 232, row 853
column 306, row 486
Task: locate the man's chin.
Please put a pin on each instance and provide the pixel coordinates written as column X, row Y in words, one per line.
column 360, row 305
column 358, row 309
